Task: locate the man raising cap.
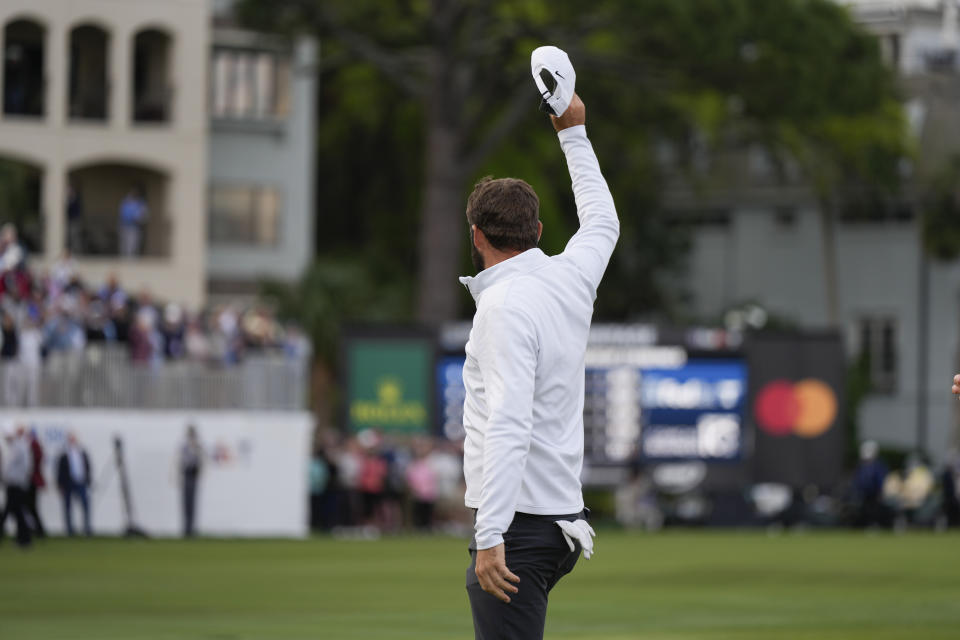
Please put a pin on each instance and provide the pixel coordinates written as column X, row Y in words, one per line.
column 524, row 379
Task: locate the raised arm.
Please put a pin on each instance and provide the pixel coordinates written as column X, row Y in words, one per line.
column 591, row 246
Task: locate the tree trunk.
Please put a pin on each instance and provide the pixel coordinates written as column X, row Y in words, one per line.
column 442, row 222
column 322, row 388
column 830, row 275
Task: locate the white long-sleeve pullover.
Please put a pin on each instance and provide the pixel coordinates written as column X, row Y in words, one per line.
column 524, row 371
column 19, row 466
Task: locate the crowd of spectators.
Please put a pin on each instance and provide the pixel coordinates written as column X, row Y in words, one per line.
column 56, row 314
column 901, row 492
column 370, row 483
column 913, row 495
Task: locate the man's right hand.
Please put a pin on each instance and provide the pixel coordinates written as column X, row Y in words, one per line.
column 575, row 114
column 493, row 574
column 956, row 384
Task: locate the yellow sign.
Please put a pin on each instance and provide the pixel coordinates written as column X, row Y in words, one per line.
column 389, row 407
column 389, row 385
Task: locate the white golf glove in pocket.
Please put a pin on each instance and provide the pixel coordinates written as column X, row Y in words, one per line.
column 580, row 531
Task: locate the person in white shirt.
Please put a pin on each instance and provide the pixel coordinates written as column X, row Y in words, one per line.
column 524, row 380
column 30, row 356
column 12, row 256
column 17, row 470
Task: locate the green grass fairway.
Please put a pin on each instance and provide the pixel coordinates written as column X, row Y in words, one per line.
column 684, row 585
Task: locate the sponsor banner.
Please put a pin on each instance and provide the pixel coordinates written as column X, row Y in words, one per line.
column 254, row 479
column 796, row 408
column 693, row 412
column 715, row 436
column 389, row 384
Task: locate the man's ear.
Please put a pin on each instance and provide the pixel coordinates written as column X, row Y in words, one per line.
column 477, row 237
column 539, row 231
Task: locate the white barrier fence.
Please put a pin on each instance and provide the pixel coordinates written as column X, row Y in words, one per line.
column 254, row 481
column 104, row 376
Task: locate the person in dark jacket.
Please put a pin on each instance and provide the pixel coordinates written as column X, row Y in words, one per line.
column 868, row 485
column 37, row 483
column 73, row 478
column 191, row 466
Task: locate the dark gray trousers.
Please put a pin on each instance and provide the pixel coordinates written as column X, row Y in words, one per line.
column 536, row 552
column 189, row 503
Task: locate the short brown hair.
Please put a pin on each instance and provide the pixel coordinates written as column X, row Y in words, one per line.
column 507, row 210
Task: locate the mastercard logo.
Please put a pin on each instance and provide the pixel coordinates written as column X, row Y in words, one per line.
column 806, row 408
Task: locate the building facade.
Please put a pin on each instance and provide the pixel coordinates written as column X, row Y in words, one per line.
column 262, row 98
column 102, row 98
column 756, row 239
column 206, row 129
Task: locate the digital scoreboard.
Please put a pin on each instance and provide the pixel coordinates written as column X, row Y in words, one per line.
column 667, row 409
column 695, row 412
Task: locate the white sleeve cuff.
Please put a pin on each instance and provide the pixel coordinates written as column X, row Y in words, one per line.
column 489, row 540
column 576, row 131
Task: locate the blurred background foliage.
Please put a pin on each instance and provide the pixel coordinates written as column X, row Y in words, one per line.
column 421, row 98
column 20, row 205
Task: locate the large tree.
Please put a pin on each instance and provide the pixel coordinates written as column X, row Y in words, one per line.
column 420, row 98
column 462, row 62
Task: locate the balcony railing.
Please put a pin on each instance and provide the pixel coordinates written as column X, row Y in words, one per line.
column 105, row 377
column 97, row 234
column 153, row 108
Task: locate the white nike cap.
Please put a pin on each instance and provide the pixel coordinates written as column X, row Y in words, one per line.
column 554, row 77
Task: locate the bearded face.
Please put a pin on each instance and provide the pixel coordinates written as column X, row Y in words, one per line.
column 475, row 254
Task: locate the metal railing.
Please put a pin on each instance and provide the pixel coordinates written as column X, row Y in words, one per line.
column 96, row 234
column 105, row 377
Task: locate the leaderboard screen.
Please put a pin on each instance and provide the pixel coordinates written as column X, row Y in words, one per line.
column 694, row 412
column 690, row 410
column 450, row 395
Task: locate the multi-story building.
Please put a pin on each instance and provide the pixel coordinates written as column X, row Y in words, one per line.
column 758, row 238
column 262, row 98
column 212, row 126
column 101, row 97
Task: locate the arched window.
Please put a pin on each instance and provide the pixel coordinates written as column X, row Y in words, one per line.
column 21, row 186
column 152, row 87
column 119, row 209
column 23, row 68
column 87, row 97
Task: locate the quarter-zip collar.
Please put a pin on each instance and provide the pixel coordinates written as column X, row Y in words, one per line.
column 520, row 264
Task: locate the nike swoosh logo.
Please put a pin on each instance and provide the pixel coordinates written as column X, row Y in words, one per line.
column 559, row 76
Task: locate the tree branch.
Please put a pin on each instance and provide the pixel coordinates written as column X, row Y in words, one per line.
column 518, row 106
column 391, row 64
